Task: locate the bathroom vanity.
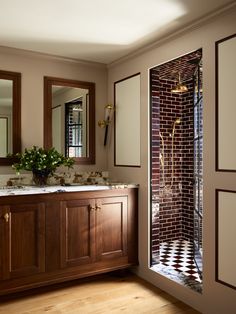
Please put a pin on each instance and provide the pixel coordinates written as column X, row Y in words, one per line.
column 58, row 234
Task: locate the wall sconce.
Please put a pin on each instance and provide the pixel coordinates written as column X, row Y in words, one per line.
column 109, row 109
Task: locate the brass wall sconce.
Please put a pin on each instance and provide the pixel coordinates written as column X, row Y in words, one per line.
column 109, row 109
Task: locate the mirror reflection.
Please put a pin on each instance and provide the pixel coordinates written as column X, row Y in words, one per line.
column 10, row 115
column 69, row 118
column 70, row 124
column 6, row 101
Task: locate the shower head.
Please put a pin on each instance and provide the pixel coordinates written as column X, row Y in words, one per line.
column 172, row 132
column 180, row 87
column 177, row 121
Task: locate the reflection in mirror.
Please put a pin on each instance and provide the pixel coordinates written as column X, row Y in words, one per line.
column 4, row 143
column 10, row 120
column 6, row 87
column 69, row 118
column 69, row 121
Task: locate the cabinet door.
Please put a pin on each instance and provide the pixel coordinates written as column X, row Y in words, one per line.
column 22, row 240
column 111, row 214
column 77, row 232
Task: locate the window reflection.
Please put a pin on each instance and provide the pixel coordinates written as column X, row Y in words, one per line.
column 6, row 103
column 70, row 120
column 75, row 129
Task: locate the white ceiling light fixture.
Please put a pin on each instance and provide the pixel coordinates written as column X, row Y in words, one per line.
column 103, row 21
column 101, row 30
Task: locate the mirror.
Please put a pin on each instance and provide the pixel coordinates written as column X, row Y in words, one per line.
column 225, row 104
column 10, row 115
column 69, row 118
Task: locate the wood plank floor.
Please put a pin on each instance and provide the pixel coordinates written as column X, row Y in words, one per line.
column 99, row 295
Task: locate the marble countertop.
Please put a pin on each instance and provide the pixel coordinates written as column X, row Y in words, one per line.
column 26, row 190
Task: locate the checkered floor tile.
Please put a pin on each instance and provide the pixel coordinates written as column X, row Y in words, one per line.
column 178, row 254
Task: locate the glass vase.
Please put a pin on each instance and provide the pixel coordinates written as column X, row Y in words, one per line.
column 40, row 177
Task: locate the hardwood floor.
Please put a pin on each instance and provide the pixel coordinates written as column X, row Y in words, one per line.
column 102, row 294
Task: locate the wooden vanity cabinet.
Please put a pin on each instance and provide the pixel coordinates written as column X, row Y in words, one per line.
column 77, row 232
column 22, row 240
column 93, row 230
column 50, row 238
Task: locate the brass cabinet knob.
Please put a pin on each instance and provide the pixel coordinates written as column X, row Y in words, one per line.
column 6, row 217
column 91, row 208
column 98, row 208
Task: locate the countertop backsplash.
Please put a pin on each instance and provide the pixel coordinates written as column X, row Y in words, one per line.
column 60, row 182
column 59, row 178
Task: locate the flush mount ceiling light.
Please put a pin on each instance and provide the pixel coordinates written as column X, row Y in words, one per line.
column 102, row 30
column 83, row 29
column 180, row 87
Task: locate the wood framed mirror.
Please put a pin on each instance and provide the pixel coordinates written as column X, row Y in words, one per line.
column 10, row 115
column 69, row 118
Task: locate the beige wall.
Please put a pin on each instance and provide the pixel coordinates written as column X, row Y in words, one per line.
column 33, row 68
column 216, row 298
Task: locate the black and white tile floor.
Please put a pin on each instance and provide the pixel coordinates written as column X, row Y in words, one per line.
column 178, row 254
column 176, row 263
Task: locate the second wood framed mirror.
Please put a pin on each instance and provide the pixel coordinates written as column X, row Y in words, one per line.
column 69, row 118
column 10, row 115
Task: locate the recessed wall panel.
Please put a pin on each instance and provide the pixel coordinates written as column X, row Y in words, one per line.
column 127, row 122
column 225, row 238
column 225, row 101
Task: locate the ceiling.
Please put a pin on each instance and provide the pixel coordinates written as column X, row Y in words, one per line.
column 96, row 30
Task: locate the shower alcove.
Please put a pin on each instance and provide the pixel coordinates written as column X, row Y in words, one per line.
column 176, row 169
